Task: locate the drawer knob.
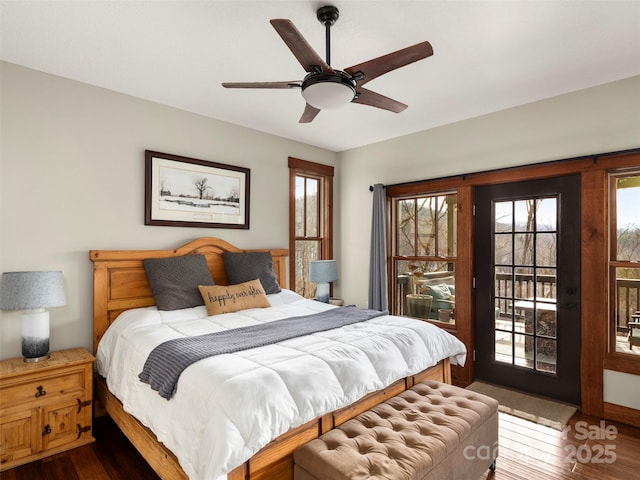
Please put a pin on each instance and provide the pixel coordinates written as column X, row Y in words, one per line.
column 41, row 392
column 46, row 430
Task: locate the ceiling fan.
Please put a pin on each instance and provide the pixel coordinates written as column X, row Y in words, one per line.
column 326, row 87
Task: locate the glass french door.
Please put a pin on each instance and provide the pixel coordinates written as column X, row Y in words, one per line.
column 527, row 286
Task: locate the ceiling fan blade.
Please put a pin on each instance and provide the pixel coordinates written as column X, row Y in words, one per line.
column 304, row 52
column 292, row 84
column 309, row 114
column 373, row 99
column 391, row 61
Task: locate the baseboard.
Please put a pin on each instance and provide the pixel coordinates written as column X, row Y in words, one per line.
column 619, row 413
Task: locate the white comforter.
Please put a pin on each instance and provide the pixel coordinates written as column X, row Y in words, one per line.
column 228, row 407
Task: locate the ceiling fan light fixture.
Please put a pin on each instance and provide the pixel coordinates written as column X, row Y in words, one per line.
column 327, row 91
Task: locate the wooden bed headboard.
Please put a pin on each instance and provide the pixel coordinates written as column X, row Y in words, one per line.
column 120, row 282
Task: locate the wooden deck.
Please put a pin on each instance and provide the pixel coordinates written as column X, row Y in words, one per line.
column 527, row 452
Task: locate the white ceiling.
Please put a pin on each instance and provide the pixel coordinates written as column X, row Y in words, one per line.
column 488, row 56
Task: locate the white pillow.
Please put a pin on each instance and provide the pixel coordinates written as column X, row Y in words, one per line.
column 284, row 297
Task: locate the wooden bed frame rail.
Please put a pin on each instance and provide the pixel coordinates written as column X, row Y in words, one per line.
column 120, row 283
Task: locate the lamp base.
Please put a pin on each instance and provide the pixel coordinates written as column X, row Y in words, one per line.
column 36, row 359
column 35, row 335
column 322, row 292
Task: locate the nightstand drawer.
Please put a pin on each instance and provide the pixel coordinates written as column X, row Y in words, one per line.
column 43, row 390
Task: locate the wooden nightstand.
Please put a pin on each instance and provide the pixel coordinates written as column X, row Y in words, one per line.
column 45, row 407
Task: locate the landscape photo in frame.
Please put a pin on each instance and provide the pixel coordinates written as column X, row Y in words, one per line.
column 188, row 192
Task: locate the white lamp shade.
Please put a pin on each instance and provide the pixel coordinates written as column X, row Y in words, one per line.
column 29, row 290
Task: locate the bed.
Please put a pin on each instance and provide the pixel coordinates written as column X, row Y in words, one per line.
column 124, row 307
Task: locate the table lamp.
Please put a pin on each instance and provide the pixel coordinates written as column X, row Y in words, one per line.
column 323, row 272
column 33, row 292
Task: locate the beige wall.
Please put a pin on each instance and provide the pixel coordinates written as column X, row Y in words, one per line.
column 72, row 179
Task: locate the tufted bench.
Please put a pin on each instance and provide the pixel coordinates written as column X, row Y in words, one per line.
column 432, row 431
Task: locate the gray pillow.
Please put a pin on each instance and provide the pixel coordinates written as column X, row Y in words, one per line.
column 245, row 266
column 174, row 281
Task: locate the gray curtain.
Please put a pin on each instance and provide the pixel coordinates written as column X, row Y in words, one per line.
column 378, row 299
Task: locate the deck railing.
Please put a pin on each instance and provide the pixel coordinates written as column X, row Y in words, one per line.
column 628, row 293
column 525, row 286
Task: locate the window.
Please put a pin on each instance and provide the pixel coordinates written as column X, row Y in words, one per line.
column 310, row 221
column 624, row 264
column 525, row 271
column 424, row 256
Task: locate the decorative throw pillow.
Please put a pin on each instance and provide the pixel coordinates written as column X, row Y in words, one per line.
column 233, row 298
column 244, row 266
column 438, row 280
column 174, row 281
column 440, row 292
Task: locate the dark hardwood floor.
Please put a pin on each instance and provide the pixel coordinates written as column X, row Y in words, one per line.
column 587, row 450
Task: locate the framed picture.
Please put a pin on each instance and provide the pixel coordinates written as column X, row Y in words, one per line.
column 187, row 192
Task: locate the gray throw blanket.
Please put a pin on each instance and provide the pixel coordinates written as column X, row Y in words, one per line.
column 168, row 360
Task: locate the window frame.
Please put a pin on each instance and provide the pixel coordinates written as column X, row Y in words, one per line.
column 395, row 257
column 616, row 360
column 325, row 174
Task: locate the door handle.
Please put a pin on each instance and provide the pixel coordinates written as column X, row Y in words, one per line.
column 569, row 306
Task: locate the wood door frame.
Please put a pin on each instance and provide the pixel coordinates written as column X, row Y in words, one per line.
column 594, row 256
